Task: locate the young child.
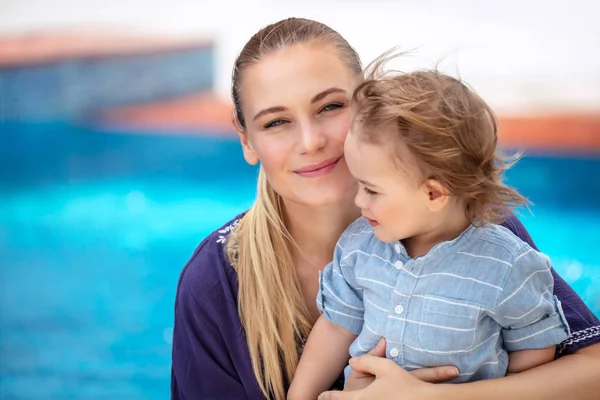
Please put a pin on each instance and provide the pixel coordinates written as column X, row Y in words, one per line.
column 427, row 267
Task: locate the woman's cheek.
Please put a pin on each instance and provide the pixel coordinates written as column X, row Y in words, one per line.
column 338, row 127
column 273, row 152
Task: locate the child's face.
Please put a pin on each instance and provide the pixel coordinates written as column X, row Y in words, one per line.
column 390, row 197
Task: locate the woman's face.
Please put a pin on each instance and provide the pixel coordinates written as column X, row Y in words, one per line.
column 295, row 103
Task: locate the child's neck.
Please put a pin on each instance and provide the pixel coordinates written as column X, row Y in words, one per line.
column 444, row 229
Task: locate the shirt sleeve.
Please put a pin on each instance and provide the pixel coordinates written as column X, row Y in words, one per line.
column 583, row 324
column 530, row 315
column 200, row 367
column 340, row 298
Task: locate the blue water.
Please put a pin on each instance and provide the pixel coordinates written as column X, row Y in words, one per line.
column 95, row 228
column 88, row 281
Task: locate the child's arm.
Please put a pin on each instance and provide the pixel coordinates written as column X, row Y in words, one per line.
column 530, row 315
column 324, row 357
column 523, row 360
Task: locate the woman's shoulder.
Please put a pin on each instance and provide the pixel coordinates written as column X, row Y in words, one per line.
column 514, row 225
column 208, row 271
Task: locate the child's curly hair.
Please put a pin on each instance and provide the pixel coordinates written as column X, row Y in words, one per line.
column 449, row 129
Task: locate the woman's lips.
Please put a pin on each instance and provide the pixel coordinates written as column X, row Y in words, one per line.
column 318, row 170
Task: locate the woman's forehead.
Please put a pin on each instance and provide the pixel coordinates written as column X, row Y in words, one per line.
column 294, row 74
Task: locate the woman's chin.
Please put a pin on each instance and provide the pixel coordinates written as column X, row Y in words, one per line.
column 331, row 195
column 339, row 192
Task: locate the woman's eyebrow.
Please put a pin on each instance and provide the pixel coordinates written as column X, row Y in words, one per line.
column 327, row 92
column 269, row 111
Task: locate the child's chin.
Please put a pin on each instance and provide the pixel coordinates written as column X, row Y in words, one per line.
column 382, row 236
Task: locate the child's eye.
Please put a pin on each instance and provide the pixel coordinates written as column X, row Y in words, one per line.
column 369, row 191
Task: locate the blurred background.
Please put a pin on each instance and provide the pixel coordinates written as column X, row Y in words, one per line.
column 117, row 157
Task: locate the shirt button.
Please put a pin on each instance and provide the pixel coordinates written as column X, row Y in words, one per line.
column 394, row 352
column 398, row 264
column 399, row 309
column 397, row 247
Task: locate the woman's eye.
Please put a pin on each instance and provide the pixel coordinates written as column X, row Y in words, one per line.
column 332, row 106
column 274, row 123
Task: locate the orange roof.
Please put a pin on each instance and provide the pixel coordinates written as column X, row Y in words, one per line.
column 203, row 112
column 42, row 47
column 567, row 132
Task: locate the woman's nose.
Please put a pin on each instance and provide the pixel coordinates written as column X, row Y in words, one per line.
column 312, row 138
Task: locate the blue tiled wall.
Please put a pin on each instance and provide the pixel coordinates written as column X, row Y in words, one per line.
column 74, row 88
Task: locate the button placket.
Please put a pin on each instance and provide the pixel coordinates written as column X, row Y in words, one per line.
column 404, row 286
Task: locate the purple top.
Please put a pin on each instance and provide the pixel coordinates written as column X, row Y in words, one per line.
column 210, row 355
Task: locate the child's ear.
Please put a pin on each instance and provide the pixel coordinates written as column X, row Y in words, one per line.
column 436, row 194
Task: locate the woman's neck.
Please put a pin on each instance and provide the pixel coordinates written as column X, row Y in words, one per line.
column 316, row 230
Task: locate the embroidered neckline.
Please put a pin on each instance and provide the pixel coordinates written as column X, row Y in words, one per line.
column 226, row 231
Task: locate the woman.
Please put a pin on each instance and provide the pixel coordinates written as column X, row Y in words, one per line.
column 246, row 298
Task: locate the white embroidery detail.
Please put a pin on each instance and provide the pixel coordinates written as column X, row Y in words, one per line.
column 221, row 239
column 224, row 233
column 579, row 336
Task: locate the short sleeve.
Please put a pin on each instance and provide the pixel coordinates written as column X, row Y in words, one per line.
column 530, row 315
column 583, row 324
column 340, row 298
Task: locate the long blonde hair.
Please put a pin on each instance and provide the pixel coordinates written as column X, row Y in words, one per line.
column 270, row 302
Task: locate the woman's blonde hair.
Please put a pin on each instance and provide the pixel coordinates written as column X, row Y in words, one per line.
column 270, row 302
column 450, row 130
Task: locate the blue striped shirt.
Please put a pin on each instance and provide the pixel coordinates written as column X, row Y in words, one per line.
column 467, row 302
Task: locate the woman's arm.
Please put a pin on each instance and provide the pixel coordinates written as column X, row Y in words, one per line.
column 323, row 359
column 198, row 369
column 575, row 376
column 210, row 353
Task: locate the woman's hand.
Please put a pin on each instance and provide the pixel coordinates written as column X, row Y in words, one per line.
column 360, row 380
column 374, row 377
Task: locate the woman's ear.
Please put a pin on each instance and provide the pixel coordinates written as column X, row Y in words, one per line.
column 249, row 154
column 436, row 194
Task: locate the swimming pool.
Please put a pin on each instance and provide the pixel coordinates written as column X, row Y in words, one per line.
column 95, row 227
